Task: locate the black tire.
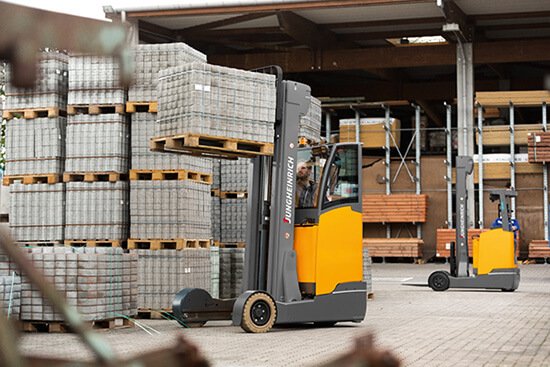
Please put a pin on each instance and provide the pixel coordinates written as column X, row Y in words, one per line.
column 259, row 313
column 323, row 324
column 439, row 281
column 507, row 290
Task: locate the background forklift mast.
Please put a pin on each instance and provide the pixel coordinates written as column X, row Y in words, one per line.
column 301, row 264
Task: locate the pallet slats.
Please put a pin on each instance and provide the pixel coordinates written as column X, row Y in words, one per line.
column 161, row 175
column 94, row 243
column 394, row 247
column 95, row 109
column 395, row 208
column 151, row 107
column 64, row 327
column 167, row 244
column 93, row 176
column 210, row 146
column 530, row 98
column 539, row 249
column 32, row 113
column 49, row 178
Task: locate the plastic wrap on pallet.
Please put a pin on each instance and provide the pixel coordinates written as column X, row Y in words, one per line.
column 100, row 282
column 219, row 101
column 231, row 272
column 37, row 212
column 233, row 220
column 170, row 209
column 50, row 90
column 10, row 293
column 150, row 59
column 94, row 80
column 367, row 269
column 215, row 271
column 310, row 123
column 235, row 174
column 163, row 273
column 97, row 211
column 35, row 146
column 97, row 143
column 143, row 129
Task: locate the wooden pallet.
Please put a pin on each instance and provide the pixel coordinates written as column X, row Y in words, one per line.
column 49, row 178
column 94, row 243
column 530, row 98
column 394, row 247
column 210, row 146
column 151, row 107
column 395, row 208
column 93, row 176
column 370, row 295
column 500, row 135
column 32, row 113
column 539, row 249
column 63, row 327
column 215, row 193
column 39, row 243
column 231, row 244
column 151, row 314
column 95, row 109
column 167, row 244
column 233, row 194
column 165, row 175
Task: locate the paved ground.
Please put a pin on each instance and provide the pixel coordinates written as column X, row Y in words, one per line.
column 424, row 328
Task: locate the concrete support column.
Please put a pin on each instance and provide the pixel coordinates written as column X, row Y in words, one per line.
column 465, row 108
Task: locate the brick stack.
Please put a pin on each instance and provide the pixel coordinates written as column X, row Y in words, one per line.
column 310, row 124
column 35, row 150
column 97, row 151
column 10, row 293
column 231, row 272
column 164, row 273
column 367, row 270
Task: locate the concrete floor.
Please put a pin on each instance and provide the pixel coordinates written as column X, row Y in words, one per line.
column 422, row 327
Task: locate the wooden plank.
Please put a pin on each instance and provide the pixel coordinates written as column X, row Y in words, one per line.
column 135, row 106
column 95, row 109
column 167, row 175
column 518, row 98
column 395, row 208
column 500, row 135
column 94, row 176
column 49, row 178
column 32, row 113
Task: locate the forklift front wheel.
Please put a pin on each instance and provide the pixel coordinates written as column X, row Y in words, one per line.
column 259, row 313
column 439, row 281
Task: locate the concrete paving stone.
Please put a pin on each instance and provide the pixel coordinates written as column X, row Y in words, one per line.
column 424, row 328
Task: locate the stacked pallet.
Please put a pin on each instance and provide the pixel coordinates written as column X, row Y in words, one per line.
column 231, row 272
column 310, row 123
column 395, row 208
column 163, row 273
column 530, row 98
column 97, row 147
column 539, row 249
column 215, row 271
column 100, row 283
column 10, row 294
column 539, row 147
column 394, row 247
column 35, row 150
column 367, row 271
column 226, row 111
column 372, row 133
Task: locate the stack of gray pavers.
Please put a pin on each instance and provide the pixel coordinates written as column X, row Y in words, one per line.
column 219, row 101
column 231, row 272
column 96, row 143
column 37, row 212
column 163, row 273
column 36, row 147
column 100, row 282
column 310, row 124
column 216, row 201
column 367, row 270
column 215, row 271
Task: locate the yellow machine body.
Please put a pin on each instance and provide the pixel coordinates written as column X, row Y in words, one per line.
column 331, row 252
column 494, row 249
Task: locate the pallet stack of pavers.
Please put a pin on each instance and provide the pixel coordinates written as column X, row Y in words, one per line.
column 100, row 282
column 97, row 147
column 35, row 150
column 310, row 123
column 10, row 288
column 367, row 271
column 170, row 219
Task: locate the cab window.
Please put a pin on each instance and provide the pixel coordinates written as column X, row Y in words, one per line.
column 342, row 184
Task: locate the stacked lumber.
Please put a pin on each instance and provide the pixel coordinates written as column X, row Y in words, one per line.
column 371, row 132
column 501, row 170
column 499, row 135
column 529, row 98
column 539, row 147
column 539, row 249
column 395, row 208
column 445, row 236
column 394, row 247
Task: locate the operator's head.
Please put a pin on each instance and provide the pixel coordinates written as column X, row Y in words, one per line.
column 303, row 169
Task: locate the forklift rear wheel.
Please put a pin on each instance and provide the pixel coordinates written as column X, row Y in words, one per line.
column 259, row 313
column 439, row 281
